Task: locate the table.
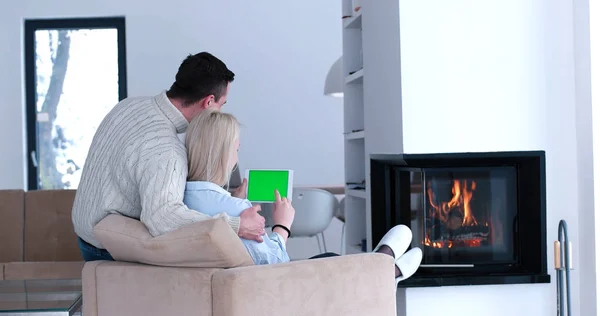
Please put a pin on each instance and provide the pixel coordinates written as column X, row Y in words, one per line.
column 40, row 297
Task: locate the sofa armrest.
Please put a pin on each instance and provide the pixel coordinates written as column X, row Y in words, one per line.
column 347, row 285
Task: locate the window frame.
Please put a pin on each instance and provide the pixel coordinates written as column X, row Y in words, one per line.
column 30, row 27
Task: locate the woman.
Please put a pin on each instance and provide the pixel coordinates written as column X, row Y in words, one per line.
column 212, row 141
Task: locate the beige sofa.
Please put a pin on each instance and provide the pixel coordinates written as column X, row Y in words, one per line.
column 37, row 237
column 204, row 269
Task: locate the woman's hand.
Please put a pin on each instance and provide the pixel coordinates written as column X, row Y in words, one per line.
column 283, row 214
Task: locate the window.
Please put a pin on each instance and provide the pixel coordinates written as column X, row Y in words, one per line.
column 75, row 73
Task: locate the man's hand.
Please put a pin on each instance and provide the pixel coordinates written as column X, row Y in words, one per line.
column 240, row 192
column 252, row 225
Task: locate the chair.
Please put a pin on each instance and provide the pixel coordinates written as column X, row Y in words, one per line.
column 341, row 215
column 266, row 211
column 315, row 209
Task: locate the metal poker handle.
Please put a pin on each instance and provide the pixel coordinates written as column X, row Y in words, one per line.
column 563, row 263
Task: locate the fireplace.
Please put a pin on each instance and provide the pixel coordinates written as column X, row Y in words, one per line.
column 480, row 218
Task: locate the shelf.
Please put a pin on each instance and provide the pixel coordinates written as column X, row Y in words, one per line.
column 362, row 194
column 354, row 249
column 353, row 22
column 356, row 77
column 355, row 135
column 355, row 142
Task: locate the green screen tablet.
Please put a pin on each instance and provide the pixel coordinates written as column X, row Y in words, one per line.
column 262, row 184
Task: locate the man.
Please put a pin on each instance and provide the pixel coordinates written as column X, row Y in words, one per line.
column 137, row 165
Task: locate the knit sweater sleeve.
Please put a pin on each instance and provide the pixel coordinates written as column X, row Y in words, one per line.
column 162, row 184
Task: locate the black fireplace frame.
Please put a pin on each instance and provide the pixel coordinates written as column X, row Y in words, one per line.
column 531, row 267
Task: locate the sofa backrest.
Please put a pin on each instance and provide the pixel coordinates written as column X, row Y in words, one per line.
column 12, row 204
column 207, row 244
column 37, row 226
column 48, row 232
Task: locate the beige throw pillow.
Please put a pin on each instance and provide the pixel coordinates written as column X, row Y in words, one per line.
column 206, row 244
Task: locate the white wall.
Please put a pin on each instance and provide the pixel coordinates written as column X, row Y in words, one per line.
column 492, row 76
column 280, row 52
column 594, row 43
column 586, row 151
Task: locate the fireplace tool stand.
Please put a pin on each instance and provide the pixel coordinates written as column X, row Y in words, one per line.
column 563, row 264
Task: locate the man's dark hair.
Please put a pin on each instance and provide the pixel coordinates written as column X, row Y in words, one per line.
column 199, row 76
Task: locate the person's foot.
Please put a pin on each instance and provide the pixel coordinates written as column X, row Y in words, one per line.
column 408, row 264
column 388, row 251
column 397, row 240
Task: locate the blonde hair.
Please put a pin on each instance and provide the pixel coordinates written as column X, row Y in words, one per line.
column 210, row 141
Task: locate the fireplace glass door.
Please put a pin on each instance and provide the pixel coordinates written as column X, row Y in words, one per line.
column 463, row 216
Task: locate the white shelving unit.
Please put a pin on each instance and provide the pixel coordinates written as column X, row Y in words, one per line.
column 355, row 21
column 361, row 194
column 355, row 77
column 372, row 105
column 355, row 135
column 354, row 127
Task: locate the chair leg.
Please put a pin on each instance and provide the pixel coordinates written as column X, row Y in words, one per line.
column 343, row 243
column 319, row 243
column 324, row 245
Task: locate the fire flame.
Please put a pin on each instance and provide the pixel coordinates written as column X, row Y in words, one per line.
column 450, row 243
column 454, row 213
column 462, row 193
column 437, row 244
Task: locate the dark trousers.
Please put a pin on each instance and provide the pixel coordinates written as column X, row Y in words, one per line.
column 325, row 255
column 91, row 253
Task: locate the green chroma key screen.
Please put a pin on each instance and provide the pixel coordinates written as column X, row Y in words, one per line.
column 262, row 184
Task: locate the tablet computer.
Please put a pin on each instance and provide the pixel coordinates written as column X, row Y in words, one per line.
column 262, row 184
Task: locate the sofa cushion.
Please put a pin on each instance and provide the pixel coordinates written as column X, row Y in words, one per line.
column 206, row 244
column 49, row 233
column 43, row 270
column 12, row 203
